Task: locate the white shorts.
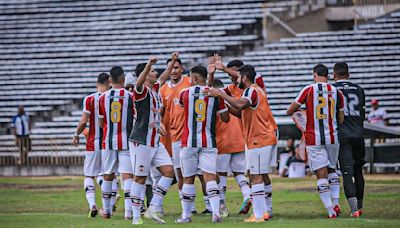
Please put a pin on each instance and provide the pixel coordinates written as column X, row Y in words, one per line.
column 143, row 158
column 116, row 161
column 193, row 159
column 235, row 162
column 92, row 163
column 323, row 156
column 259, row 159
column 176, row 151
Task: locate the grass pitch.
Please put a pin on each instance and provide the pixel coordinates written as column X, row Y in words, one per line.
column 60, row 202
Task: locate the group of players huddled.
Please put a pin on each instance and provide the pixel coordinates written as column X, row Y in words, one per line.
column 213, row 130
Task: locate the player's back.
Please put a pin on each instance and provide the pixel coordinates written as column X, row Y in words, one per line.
column 117, row 110
column 200, row 113
column 354, row 109
column 95, row 135
column 322, row 105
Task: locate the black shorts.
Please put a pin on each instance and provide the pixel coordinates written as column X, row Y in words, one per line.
column 352, row 152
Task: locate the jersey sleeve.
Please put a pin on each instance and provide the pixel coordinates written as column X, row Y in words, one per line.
column 157, row 86
column 341, row 100
column 102, row 110
column 250, row 94
column 140, row 95
column 87, row 105
column 302, row 96
column 181, row 96
column 227, row 91
column 259, row 81
column 384, row 115
column 222, row 106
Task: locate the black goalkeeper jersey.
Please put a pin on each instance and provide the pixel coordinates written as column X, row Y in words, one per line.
column 354, row 110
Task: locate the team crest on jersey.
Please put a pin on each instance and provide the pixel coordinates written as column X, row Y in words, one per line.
column 141, row 168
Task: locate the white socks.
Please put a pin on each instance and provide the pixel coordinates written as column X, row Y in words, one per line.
column 243, row 183
column 160, row 191
column 188, row 197
column 90, row 191
column 213, row 196
column 334, row 184
column 137, row 196
column 106, row 189
column 114, row 193
column 258, row 200
column 325, row 195
column 207, row 203
column 268, row 198
column 222, row 189
column 127, row 197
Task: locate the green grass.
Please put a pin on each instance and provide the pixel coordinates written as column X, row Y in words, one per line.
column 60, row 202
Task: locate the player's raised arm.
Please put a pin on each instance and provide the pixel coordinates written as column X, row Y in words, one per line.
column 211, row 70
column 220, row 66
column 142, row 77
column 167, row 72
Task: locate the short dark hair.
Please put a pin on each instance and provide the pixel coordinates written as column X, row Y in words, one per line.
column 178, row 60
column 248, row 71
column 321, row 70
column 218, row 83
column 116, row 73
column 235, row 63
column 199, row 69
column 103, row 78
column 139, row 68
column 341, row 69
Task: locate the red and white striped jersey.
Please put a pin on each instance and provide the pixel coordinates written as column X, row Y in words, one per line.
column 147, row 125
column 91, row 107
column 117, row 109
column 200, row 113
column 323, row 101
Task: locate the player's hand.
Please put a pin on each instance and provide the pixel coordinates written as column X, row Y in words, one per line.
column 218, row 62
column 75, row 140
column 214, row 92
column 211, row 65
column 152, row 60
column 162, row 130
column 175, row 56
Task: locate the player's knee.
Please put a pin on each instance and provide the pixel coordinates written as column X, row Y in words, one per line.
column 168, row 171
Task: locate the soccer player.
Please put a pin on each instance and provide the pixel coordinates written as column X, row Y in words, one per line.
column 352, row 148
column 146, row 152
column 324, row 107
column 259, row 130
column 116, row 112
column 233, row 90
column 199, row 142
column 172, row 114
column 92, row 163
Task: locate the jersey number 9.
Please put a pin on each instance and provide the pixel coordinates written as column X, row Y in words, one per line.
column 200, row 109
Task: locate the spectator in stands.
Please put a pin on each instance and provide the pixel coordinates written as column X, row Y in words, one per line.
column 378, row 115
column 294, row 166
column 21, row 129
column 284, row 154
column 130, row 82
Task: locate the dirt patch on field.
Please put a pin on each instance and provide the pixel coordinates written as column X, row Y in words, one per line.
column 39, row 187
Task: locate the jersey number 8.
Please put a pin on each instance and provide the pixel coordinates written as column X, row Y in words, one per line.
column 115, row 112
column 322, row 104
column 200, row 109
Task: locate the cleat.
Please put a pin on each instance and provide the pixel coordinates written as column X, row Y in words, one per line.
column 266, row 216
column 337, row 210
column 356, row 214
column 206, row 212
column 253, row 219
column 128, row 218
column 245, row 208
column 224, row 211
column 361, row 211
column 142, row 210
column 183, row 220
column 216, row 219
column 194, row 212
column 137, row 221
column 154, row 215
column 93, row 212
column 332, row 216
column 103, row 214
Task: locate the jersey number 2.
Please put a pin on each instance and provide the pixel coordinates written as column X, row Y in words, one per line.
column 115, row 112
column 322, row 104
column 200, row 109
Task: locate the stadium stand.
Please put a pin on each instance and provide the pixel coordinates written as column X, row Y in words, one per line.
column 52, row 51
